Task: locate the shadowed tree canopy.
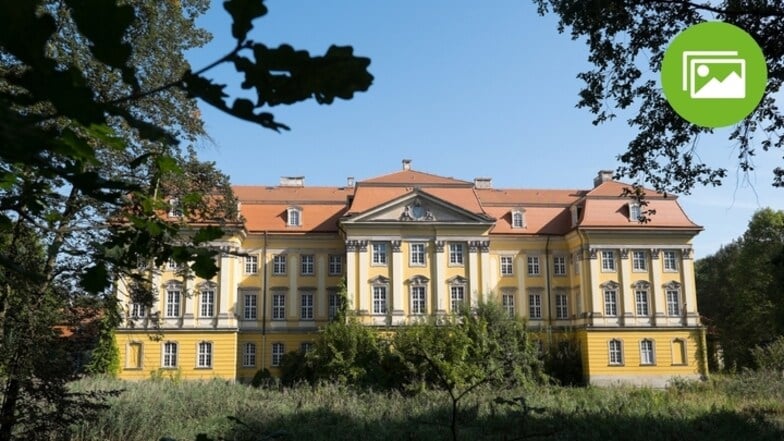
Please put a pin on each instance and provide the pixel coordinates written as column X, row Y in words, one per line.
column 627, row 40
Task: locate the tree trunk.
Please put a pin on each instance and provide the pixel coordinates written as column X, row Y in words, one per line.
column 8, row 411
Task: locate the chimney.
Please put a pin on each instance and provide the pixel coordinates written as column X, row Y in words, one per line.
column 406, row 164
column 483, row 182
column 292, row 181
column 602, row 176
column 350, row 182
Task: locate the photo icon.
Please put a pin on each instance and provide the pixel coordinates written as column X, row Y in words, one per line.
column 714, row 75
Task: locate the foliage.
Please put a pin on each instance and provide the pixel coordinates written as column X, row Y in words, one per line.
column 771, row 356
column 563, row 361
column 740, row 291
column 627, row 40
column 262, row 377
column 743, row 406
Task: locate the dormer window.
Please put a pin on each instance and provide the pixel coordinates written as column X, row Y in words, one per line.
column 635, row 212
column 518, row 218
column 175, row 208
column 294, row 217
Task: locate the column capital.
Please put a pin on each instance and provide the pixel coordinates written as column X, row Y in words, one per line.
column 396, row 245
column 439, row 246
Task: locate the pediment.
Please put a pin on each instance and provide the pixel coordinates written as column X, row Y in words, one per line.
column 418, row 207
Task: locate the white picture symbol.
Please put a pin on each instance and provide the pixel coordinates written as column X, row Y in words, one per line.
column 714, row 75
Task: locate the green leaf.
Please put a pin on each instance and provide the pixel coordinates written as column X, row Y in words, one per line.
column 204, row 265
column 96, row 278
column 207, row 234
column 243, row 12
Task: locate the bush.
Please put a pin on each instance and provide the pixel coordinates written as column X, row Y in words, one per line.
column 263, row 377
column 771, row 356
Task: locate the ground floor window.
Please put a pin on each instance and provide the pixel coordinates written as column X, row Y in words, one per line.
column 616, row 352
column 277, row 353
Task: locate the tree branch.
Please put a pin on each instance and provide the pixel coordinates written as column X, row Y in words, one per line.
column 761, row 12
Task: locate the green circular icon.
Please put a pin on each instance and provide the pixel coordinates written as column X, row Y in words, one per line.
column 714, row 74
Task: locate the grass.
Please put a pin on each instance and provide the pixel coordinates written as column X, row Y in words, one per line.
column 744, row 406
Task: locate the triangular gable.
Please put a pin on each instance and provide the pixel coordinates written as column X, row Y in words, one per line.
column 413, row 177
column 418, row 206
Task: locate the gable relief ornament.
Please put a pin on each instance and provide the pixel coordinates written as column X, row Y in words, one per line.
column 415, row 211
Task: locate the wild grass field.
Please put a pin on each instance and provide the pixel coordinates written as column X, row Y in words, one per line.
column 747, row 406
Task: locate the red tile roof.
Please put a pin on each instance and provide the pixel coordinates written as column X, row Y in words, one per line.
column 412, row 177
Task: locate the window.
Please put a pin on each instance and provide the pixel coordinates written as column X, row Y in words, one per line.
column 616, row 352
column 379, row 299
column 171, row 265
column 379, row 253
column 277, row 353
column 670, row 264
column 610, row 305
column 535, row 305
column 279, row 265
column 251, row 264
column 559, row 265
column 456, row 254
column 646, row 352
column 641, row 300
column 518, row 221
column 170, row 354
column 306, row 265
column 278, row 306
column 306, row 306
column 173, row 300
column 506, row 266
column 635, row 213
column 138, row 310
column 639, row 261
column 508, row 302
column 175, row 208
column 417, row 254
column 418, row 299
column 204, row 355
column 305, row 347
column 335, row 265
column 294, row 216
column 533, row 265
column 561, row 305
column 207, row 302
column 133, row 359
column 249, row 355
column 673, row 303
column 334, row 304
column 250, row 307
column 608, row 260
column 457, row 296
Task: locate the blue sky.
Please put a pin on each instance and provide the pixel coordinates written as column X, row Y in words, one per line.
column 463, row 90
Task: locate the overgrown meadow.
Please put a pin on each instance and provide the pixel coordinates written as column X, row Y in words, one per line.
column 738, row 407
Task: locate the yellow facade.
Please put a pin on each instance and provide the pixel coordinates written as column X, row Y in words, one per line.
column 410, row 245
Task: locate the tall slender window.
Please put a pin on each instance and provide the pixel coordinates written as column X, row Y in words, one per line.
column 608, row 260
column 457, row 297
column 417, row 256
column 334, row 304
column 418, row 299
column 379, row 299
column 646, row 352
column 670, row 261
column 379, row 253
column 639, row 261
column 335, row 265
column 559, row 266
column 249, row 355
column 616, row 352
column 251, row 264
column 561, row 305
column 204, row 356
column 277, row 354
column 170, row 354
column 279, row 265
column 306, row 265
column 173, row 294
column 535, row 305
column 507, row 269
column 249, row 307
column 508, row 302
column 610, row 303
column 641, row 297
column 278, row 306
column 207, row 302
column 456, row 254
column 673, row 303
column 533, row 266
column 306, row 306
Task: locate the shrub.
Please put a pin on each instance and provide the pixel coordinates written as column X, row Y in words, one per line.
column 771, row 356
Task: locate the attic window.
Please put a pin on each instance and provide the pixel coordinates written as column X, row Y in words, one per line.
column 175, row 208
column 634, row 212
column 294, row 217
column 518, row 218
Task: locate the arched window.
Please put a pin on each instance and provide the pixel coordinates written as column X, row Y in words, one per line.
column 615, row 352
column 518, row 218
column 173, row 298
column 672, row 292
column 641, row 298
column 418, row 290
column 294, row 217
column 204, row 354
column 647, row 352
column 635, row 212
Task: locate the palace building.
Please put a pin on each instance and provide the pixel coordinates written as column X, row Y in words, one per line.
column 576, row 263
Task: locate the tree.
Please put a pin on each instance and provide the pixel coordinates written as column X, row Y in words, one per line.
column 740, row 289
column 96, row 100
column 627, row 40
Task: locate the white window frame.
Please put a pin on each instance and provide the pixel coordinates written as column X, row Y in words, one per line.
column 251, row 264
column 456, row 254
column 138, row 310
column 334, row 305
column 380, row 299
column 559, row 265
column 418, row 296
column 173, row 300
column 204, row 355
column 278, row 350
column 635, row 212
column 534, row 265
column 561, row 305
column 249, row 355
column 279, row 265
column 278, row 305
column 250, row 306
column 615, row 352
column 670, row 260
column 306, row 311
column 305, row 347
column 294, row 217
column 335, row 264
column 641, row 303
column 673, row 298
column 207, row 302
column 379, row 254
column 610, row 302
column 457, row 297
column 507, row 266
column 608, row 261
column 535, row 305
column 417, row 254
column 169, row 354
column 307, row 264
column 508, row 301
column 518, row 219
column 639, row 261
column 647, row 352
